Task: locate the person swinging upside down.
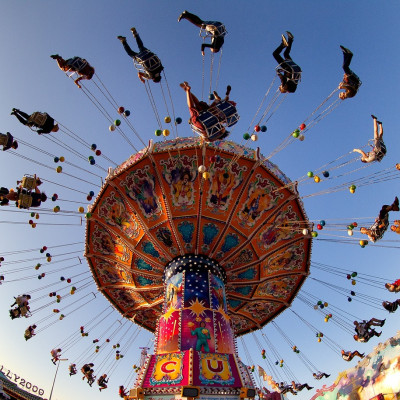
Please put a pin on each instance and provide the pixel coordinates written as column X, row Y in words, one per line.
column 145, row 58
column 379, row 149
column 349, row 355
column 102, row 382
column 363, row 329
column 35, row 197
column 288, row 71
column 8, row 141
column 381, row 224
column 76, row 64
column 320, row 375
column 391, row 306
column 351, row 82
column 197, row 108
column 42, row 121
column 215, row 28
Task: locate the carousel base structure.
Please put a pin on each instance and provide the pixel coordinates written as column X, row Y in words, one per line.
column 192, row 374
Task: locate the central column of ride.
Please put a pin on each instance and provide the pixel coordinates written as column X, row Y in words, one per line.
column 195, row 343
column 195, row 310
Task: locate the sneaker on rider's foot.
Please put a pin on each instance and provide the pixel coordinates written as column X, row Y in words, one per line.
column 182, row 16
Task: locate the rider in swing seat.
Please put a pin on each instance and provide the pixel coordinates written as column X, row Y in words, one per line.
column 288, row 71
column 149, row 65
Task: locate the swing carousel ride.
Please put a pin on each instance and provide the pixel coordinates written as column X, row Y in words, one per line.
column 199, row 239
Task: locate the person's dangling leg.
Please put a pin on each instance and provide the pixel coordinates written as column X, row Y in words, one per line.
column 376, row 136
column 347, row 56
column 286, row 54
column 21, row 116
column 138, row 39
column 380, row 130
column 192, row 18
column 277, row 53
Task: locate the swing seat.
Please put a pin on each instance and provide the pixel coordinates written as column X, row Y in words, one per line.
column 28, row 182
column 290, row 68
column 37, row 118
column 229, row 112
column 212, row 127
column 148, row 62
column 381, row 153
column 77, row 64
column 219, row 29
column 24, row 312
column 24, row 201
column 354, row 81
column 6, row 140
column 378, row 231
column 379, row 148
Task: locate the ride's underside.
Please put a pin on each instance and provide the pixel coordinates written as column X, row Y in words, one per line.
column 243, row 213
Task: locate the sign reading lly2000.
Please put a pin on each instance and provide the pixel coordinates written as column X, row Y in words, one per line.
column 21, row 381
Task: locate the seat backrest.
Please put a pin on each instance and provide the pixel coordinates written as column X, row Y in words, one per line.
column 37, row 118
column 28, row 182
column 147, row 61
column 212, row 127
column 24, row 200
column 77, row 63
column 215, row 28
column 229, row 112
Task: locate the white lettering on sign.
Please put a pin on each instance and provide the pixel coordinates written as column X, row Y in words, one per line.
column 21, row 381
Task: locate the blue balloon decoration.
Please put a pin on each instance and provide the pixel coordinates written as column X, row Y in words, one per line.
column 178, row 120
column 325, row 174
column 263, row 128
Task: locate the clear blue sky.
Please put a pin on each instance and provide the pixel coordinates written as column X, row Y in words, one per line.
column 31, row 81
